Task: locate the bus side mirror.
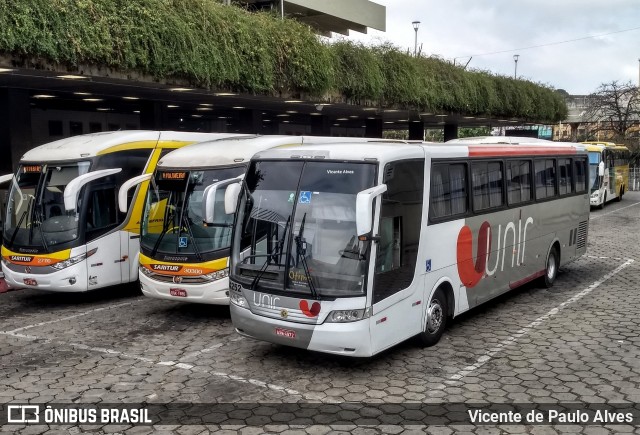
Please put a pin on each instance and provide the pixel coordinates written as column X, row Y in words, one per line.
column 5, row 178
column 209, row 198
column 231, row 198
column 364, row 208
column 124, row 189
column 601, row 169
column 73, row 188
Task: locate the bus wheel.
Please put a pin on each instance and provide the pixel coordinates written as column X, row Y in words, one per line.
column 436, row 319
column 551, row 269
column 604, row 199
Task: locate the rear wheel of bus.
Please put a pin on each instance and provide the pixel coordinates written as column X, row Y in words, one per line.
column 551, row 267
column 437, row 314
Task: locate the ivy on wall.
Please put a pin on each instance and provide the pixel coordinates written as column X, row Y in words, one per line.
column 220, row 47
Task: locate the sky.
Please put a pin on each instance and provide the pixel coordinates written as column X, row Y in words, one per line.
column 463, row 28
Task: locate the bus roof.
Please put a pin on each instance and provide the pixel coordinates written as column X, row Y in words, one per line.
column 234, row 150
column 600, row 146
column 510, row 140
column 90, row 145
column 385, row 151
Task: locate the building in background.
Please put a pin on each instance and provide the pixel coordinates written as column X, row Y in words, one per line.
column 327, row 16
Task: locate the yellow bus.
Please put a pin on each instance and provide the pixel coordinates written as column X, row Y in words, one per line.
column 608, row 171
column 62, row 231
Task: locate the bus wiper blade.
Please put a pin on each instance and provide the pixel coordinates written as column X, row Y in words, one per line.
column 301, row 254
column 185, row 219
column 277, row 253
column 15, row 231
column 165, row 229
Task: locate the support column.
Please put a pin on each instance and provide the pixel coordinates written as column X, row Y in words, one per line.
column 373, row 128
column 153, row 116
column 416, row 130
column 320, row 126
column 250, row 121
column 450, row 131
column 15, row 128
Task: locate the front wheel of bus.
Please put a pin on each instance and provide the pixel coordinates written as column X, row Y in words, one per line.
column 436, row 319
column 551, row 271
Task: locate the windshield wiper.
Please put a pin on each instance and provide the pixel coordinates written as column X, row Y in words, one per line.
column 301, row 254
column 185, row 219
column 165, row 228
column 24, row 214
column 276, row 253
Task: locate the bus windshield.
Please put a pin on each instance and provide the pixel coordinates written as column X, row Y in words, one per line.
column 35, row 215
column 298, row 231
column 594, row 160
column 172, row 219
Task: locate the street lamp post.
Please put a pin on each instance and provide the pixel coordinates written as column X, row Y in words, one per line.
column 515, row 71
column 416, row 25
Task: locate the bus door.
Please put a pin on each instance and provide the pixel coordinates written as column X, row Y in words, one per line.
column 398, row 278
column 104, row 265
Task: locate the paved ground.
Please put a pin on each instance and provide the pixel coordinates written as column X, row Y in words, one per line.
column 578, row 341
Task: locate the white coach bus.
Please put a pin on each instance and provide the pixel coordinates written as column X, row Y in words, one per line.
column 351, row 250
column 185, row 252
column 62, row 229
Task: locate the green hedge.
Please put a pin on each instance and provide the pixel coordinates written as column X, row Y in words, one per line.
column 221, row 47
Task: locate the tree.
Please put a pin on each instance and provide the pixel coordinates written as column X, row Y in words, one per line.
column 614, row 109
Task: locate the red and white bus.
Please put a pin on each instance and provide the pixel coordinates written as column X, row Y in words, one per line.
column 353, row 249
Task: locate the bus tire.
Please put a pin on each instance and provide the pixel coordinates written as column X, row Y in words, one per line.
column 437, row 314
column 551, row 267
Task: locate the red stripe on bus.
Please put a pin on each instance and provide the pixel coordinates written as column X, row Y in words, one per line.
column 502, row 150
column 536, row 275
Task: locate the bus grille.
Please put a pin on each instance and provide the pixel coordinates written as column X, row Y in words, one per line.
column 185, row 279
column 581, row 240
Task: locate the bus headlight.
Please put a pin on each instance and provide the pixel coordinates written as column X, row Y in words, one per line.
column 74, row 260
column 214, row 276
column 343, row 316
column 145, row 271
column 239, row 300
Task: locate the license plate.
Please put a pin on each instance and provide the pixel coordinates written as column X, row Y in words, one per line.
column 30, row 281
column 285, row 333
column 178, row 292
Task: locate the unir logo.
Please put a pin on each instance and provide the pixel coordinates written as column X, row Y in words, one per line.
column 470, row 271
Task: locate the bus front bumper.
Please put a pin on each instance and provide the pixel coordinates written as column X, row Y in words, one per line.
column 71, row 279
column 215, row 292
column 349, row 339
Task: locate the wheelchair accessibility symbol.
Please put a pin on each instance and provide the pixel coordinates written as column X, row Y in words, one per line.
column 182, row 242
column 305, row 197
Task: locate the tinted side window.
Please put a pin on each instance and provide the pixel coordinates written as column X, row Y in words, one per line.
column 102, row 214
column 132, row 162
column 545, row 178
column 400, row 224
column 486, row 181
column 565, row 177
column 448, row 190
column 580, row 175
column 518, row 181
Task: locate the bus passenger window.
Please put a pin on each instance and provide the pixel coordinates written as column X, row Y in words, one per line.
column 580, row 175
column 448, row 190
column 518, row 181
column 486, row 181
column 565, row 178
column 545, row 178
column 400, row 224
